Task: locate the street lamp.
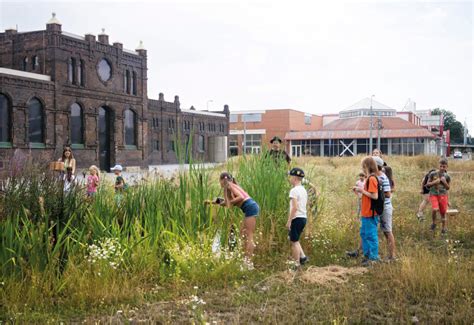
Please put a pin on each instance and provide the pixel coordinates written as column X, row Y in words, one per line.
column 371, row 124
column 207, row 104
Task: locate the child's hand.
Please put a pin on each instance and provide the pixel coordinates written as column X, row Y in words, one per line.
column 357, row 189
column 288, row 225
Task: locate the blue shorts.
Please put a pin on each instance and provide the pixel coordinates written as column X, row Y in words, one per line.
column 250, row 208
column 297, row 226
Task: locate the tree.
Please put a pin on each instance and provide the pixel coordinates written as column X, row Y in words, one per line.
column 455, row 127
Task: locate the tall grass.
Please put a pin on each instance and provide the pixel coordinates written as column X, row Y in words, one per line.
column 162, row 232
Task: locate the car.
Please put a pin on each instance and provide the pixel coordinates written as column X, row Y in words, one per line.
column 457, row 155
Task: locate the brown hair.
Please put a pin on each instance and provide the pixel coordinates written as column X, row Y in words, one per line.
column 389, row 174
column 361, row 175
column 368, row 164
column 67, row 148
column 443, row 161
column 228, row 176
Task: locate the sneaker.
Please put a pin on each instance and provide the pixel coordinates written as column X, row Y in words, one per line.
column 353, row 254
column 433, row 226
column 369, row 263
column 247, row 265
column 444, row 231
column 390, row 259
column 303, row 260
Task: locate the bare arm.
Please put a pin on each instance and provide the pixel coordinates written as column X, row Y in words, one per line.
column 436, row 181
column 237, row 197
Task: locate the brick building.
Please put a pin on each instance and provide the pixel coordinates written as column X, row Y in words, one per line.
column 60, row 89
column 258, row 127
column 346, row 133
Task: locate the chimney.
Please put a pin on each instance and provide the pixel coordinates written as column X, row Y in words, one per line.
column 53, row 25
column 10, row 31
column 103, row 37
column 90, row 37
column 141, row 49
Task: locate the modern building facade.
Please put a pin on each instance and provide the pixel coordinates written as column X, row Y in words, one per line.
column 346, row 133
column 59, row 89
column 251, row 130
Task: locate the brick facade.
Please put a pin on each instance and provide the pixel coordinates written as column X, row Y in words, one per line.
column 47, row 55
column 274, row 123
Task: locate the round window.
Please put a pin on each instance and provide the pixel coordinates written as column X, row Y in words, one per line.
column 104, row 70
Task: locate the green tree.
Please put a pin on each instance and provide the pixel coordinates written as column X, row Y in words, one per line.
column 450, row 123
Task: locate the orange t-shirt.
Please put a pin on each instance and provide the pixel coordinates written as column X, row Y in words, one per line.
column 366, row 210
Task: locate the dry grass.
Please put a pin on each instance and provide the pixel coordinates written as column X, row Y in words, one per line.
column 431, row 282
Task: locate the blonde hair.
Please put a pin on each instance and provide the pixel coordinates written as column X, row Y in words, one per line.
column 97, row 171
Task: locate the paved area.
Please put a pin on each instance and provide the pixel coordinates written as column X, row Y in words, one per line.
column 132, row 178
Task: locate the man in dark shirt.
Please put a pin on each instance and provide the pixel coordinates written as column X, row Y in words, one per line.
column 276, row 151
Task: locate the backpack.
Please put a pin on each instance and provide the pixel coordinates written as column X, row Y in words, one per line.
column 377, row 205
column 425, row 178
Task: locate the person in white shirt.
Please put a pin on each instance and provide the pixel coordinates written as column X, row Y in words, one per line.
column 297, row 215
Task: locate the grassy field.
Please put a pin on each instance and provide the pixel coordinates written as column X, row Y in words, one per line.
column 146, row 256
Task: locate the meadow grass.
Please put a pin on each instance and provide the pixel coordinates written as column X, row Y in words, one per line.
column 146, row 254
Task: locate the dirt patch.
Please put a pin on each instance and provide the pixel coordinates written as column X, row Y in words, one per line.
column 322, row 275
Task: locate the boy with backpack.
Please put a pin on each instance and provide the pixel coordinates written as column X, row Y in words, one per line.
column 438, row 182
column 372, row 208
column 425, row 191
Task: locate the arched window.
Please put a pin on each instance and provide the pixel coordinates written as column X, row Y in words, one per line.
column 5, row 120
column 70, row 71
column 77, row 126
column 127, row 82
column 130, row 128
column 80, row 72
column 35, row 121
column 201, row 146
column 34, row 62
column 25, row 64
column 134, row 83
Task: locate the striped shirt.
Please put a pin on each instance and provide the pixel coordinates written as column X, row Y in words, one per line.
column 385, row 187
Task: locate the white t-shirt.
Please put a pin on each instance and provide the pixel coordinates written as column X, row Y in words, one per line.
column 299, row 193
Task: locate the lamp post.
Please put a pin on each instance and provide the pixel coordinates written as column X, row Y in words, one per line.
column 207, row 104
column 371, row 124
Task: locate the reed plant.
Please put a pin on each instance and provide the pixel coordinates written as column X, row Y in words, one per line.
column 62, row 250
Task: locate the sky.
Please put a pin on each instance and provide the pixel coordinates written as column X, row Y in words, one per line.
column 314, row 56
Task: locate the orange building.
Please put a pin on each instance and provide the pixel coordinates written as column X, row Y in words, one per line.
column 251, row 130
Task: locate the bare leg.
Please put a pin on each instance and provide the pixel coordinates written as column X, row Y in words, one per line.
column 296, row 251
column 246, row 232
column 390, row 244
column 444, row 221
column 424, row 202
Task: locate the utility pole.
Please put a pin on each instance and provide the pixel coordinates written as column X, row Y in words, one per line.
column 379, row 126
column 371, row 125
column 245, row 133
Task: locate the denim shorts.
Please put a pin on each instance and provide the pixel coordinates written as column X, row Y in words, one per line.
column 250, row 208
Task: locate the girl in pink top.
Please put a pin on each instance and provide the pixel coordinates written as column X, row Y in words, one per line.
column 234, row 195
column 92, row 181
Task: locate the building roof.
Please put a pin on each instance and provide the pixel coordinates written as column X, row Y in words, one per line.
column 24, row 74
column 359, row 128
column 365, row 103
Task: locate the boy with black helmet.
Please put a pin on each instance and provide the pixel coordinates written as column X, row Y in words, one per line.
column 297, row 215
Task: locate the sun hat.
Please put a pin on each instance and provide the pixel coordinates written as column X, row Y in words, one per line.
column 117, row 167
column 296, row 172
column 275, row 138
column 378, row 161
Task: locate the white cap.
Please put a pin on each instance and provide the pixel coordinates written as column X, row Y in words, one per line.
column 117, row 167
column 378, row 160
